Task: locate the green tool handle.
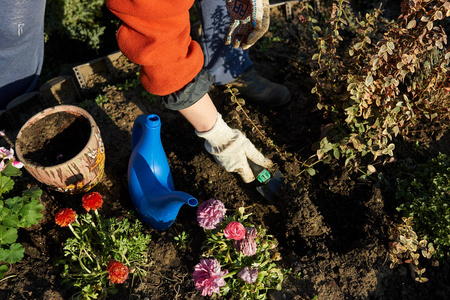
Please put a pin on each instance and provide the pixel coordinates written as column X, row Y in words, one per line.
column 261, row 174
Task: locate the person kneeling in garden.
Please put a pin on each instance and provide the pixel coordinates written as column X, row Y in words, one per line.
column 156, row 35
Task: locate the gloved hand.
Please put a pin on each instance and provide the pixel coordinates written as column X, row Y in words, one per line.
column 231, row 149
column 249, row 21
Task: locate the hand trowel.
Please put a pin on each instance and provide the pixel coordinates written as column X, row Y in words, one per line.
column 270, row 185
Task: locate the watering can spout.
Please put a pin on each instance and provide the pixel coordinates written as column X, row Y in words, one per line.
column 149, row 178
column 160, row 210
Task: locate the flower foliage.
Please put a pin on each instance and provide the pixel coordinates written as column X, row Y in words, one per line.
column 16, row 211
column 77, row 20
column 405, row 248
column 103, row 251
column 378, row 79
column 239, row 257
column 425, row 196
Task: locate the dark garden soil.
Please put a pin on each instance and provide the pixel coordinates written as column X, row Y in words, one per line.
column 332, row 228
column 51, row 140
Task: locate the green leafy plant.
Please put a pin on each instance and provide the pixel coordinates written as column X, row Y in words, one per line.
column 101, row 100
column 76, row 19
column 425, row 195
column 239, row 257
column 377, row 79
column 291, row 272
column 19, row 211
column 269, row 39
column 405, row 248
column 182, row 239
column 100, row 247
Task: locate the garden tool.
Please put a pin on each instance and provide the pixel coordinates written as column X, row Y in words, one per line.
column 271, row 185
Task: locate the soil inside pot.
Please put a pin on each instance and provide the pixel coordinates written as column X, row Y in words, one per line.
column 55, row 139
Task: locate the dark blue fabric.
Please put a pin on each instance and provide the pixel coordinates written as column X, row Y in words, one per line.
column 223, row 62
column 21, row 47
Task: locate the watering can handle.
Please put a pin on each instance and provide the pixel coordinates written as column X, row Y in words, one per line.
column 138, row 130
column 139, row 126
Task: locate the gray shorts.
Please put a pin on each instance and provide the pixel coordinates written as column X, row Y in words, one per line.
column 190, row 93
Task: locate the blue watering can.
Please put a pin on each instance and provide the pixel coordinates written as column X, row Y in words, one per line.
column 149, row 178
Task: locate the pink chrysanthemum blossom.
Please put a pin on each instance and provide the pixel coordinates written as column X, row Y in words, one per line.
column 234, row 231
column 248, row 244
column 208, row 276
column 249, row 276
column 210, row 213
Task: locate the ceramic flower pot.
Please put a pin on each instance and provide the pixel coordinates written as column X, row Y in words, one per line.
column 62, row 147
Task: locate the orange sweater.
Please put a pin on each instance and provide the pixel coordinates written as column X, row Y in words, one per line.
column 156, row 35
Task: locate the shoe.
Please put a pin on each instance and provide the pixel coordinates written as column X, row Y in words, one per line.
column 261, row 91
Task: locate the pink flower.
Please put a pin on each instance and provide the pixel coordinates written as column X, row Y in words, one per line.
column 210, row 213
column 2, row 165
column 3, row 152
column 17, row 164
column 248, row 275
column 248, row 244
column 208, row 276
column 234, row 231
column 2, row 132
column 7, row 154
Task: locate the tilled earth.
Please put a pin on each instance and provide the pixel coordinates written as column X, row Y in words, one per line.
column 332, row 228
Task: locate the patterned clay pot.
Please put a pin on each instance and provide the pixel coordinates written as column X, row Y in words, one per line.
column 62, row 148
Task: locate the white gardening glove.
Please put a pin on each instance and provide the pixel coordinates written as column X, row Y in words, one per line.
column 231, row 149
column 249, row 21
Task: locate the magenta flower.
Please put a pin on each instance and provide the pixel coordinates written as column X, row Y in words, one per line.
column 17, row 164
column 210, row 213
column 7, row 154
column 3, row 152
column 247, row 245
column 234, row 231
column 249, row 276
column 208, row 276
